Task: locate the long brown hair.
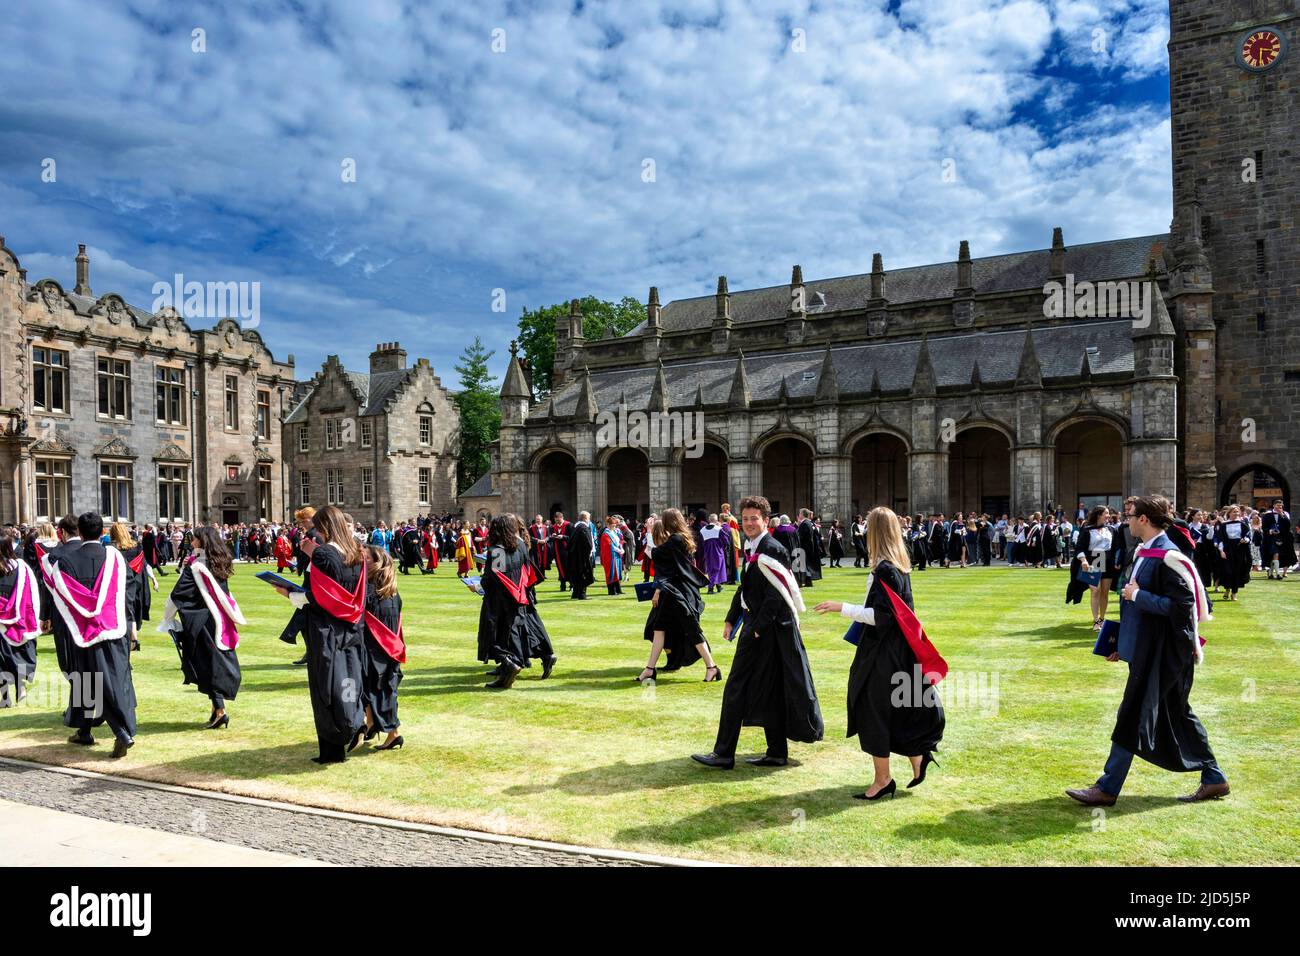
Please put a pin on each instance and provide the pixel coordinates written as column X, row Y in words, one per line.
column 885, row 540
column 121, row 536
column 379, row 571
column 672, row 522
column 216, row 556
column 333, row 527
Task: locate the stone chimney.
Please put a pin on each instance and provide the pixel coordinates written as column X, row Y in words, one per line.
column 83, row 272
column 1057, row 256
column 387, row 357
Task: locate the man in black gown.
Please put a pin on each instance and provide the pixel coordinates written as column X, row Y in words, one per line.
column 582, row 544
column 810, row 540
column 771, row 684
column 1158, row 639
column 103, row 691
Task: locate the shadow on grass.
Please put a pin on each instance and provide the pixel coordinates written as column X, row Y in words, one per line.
column 1022, row 822
column 768, row 813
column 1071, row 635
column 637, row 777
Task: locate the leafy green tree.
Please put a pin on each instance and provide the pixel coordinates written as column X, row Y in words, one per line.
column 537, row 331
column 480, row 414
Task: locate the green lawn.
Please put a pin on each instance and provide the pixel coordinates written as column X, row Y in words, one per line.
column 591, row 757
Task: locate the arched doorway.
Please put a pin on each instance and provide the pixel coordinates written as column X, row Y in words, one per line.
column 788, row 475
column 1089, row 466
column 1256, row 485
column 627, row 484
column 878, row 473
column 704, row 480
column 557, row 485
column 979, row 472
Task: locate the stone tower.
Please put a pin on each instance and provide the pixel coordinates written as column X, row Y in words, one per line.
column 1234, row 71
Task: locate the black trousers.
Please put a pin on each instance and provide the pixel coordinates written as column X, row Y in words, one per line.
column 729, row 725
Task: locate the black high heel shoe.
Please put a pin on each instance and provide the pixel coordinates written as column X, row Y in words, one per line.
column 370, row 734
column 217, row 723
column 356, row 739
column 395, row 745
column 888, row 789
column 716, row 677
column 920, row 777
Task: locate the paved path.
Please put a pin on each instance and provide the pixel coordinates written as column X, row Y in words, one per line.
column 283, row 833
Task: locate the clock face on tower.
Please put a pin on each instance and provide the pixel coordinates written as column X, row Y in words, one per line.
column 1260, row 49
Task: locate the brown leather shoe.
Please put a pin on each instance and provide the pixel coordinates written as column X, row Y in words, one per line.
column 1207, row 791
column 1092, row 797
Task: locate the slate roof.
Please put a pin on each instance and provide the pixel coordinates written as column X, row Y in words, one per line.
column 1094, row 261
column 1060, row 351
column 376, row 390
column 481, row 488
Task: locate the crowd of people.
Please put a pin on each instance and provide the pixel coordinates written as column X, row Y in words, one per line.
column 90, row 587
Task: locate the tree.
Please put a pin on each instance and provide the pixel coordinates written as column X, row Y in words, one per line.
column 480, row 414
column 537, row 331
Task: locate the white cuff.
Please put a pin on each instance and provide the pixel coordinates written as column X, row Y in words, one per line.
column 298, row 598
column 859, row 613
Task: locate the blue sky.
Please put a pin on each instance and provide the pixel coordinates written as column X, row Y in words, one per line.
column 775, row 133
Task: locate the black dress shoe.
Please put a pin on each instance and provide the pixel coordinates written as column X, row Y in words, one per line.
column 121, row 745
column 548, row 666
column 301, row 662
column 323, row 760
column 82, row 739
column 506, row 679
column 713, row 760
column 767, row 761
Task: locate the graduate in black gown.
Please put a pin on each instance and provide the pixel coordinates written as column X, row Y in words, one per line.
column 810, row 540
column 335, row 601
column 673, row 624
column 384, row 649
column 886, row 721
column 938, row 540
column 1162, row 604
column 1233, row 540
column 581, row 546
column 20, row 622
column 87, row 586
column 1278, row 549
column 137, row 584
column 1095, row 550
column 203, row 618
column 771, row 684
column 510, row 631
column 411, row 544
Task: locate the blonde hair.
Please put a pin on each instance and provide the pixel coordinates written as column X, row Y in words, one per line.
column 380, row 572
column 121, row 536
column 885, row 540
column 45, row 531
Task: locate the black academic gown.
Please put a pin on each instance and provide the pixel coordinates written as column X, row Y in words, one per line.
column 215, row 672
column 108, row 662
column 17, row 662
column 1100, row 561
column 382, row 673
column 938, row 542
column 678, row 611
column 1279, row 539
column 137, row 586
column 578, row 567
column 811, row 542
column 508, row 630
column 1234, row 568
column 888, row 717
column 334, row 673
column 1155, row 720
column 411, row 557
column 771, row 682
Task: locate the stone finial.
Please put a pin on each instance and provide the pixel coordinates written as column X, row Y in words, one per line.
column 586, row 409
column 1057, row 255
column 83, row 272
column 659, row 399
column 963, row 265
column 923, row 379
column 976, row 379
column 652, row 309
column 516, row 382
column 1030, row 372
column 877, row 276
column 828, row 386
column 723, row 312
column 739, row 396
column 796, row 275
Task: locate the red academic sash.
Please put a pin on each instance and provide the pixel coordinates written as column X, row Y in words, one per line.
column 137, row 563
column 518, row 591
column 933, row 666
column 334, row 598
column 394, row 645
column 1187, row 535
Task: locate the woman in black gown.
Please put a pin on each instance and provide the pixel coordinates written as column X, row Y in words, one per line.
column 674, row 620
column 885, row 721
column 206, row 641
column 385, row 649
column 1233, row 538
column 510, row 631
column 335, row 600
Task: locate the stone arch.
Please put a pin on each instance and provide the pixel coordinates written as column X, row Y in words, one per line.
column 704, row 479
column 979, row 468
column 627, row 482
column 878, row 468
column 555, row 471
column 787, row 469
column 1236, row 486
column 1091, row 460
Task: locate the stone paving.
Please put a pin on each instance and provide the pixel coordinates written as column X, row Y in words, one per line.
column 299, row 833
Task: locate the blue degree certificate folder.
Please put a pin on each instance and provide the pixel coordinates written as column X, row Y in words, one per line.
column 644, row 591
column 1107, row 639
column 276, row 580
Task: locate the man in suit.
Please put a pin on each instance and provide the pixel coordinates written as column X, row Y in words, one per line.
column 771, row 684
column 1158, row 637
column 96, row 643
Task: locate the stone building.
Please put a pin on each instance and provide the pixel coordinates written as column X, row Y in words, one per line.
column 382, row 444
column 1002, row 384
column 105, row 406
